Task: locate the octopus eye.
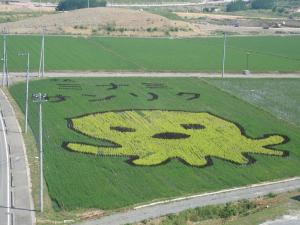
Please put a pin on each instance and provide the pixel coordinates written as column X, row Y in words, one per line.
column 192, row 126
column 171, row 135
column 123, row 129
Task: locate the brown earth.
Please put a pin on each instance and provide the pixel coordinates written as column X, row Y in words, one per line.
column 104, row 21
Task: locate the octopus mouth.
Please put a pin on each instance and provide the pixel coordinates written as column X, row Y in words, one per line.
column 171, row 135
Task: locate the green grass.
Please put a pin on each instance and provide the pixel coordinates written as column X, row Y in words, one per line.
column 144, row 54
column 87, row 181
column 253, row 212
column 278, row 96
column 165, row 13
column 13, row 16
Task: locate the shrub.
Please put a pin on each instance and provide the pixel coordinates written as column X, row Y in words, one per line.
column 208, row 212
column 149, row 29
column 65, row 5
column 262, row 4
column 271, row 195
column 228, row 211
column 280, row 10
column 174, row 29
column 236, row 6
column 244, row 206
column 110, row 26
column 122, row 29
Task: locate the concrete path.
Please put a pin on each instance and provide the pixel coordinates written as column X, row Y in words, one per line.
column 19, row 76
column 5, row 188
column 291, row 219
column 22, row 209
column 177, row 205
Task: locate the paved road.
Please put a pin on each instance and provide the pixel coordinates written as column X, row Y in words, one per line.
column 19, row 76
column 5, row 218
column 22, row 208
column 292, row 219
column 175, row 206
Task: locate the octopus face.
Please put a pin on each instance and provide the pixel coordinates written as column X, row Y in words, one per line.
column 151, row 137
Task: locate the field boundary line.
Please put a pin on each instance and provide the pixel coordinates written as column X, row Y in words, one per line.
column 217, row 192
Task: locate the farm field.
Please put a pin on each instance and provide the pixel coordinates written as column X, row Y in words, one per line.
column 267, row 54
column 281, row 97
column 110, row 181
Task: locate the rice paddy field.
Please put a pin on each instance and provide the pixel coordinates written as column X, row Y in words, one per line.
column 266, row 54
column 234, row 140
column 279, row 97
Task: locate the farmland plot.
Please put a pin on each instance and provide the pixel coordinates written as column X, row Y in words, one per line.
column 265, row 54
column 123, row 141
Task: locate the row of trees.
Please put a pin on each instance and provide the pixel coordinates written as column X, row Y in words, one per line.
column 254, row 4
column 65, row 5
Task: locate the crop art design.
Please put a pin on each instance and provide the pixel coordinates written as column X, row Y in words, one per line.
column 152, row 137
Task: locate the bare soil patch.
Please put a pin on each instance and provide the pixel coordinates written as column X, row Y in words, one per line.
column 104, row 21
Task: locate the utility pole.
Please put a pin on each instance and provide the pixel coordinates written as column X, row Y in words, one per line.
column 27, row 88
column 42, row 56
column 88, row 3
column 4, row 60
column 41, row 98
column 224, row 55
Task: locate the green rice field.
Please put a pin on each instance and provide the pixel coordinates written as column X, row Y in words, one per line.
column 266, row 54
column 110, row 181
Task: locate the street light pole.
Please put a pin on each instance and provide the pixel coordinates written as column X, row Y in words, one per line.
column 27, row 89
column 224, row 55
column 42, row 56
column 88, row 3
column 41, row 158
column 41, row 98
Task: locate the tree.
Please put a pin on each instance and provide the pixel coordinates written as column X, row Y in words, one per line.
column 262, row 4
column 65, row 5
column 236, row 6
